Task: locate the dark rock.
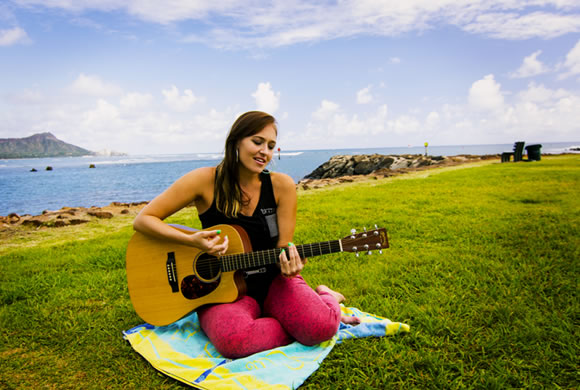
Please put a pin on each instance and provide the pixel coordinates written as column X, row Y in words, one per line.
column 77, row 221
column 100, row 214
column 32, row 222
column 339, row 166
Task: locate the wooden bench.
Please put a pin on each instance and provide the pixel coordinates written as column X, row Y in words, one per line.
column 517, row 153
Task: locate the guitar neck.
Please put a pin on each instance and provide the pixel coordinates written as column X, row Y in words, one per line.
column 272, row 256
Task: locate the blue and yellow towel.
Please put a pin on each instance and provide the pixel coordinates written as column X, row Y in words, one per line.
column 182, row 351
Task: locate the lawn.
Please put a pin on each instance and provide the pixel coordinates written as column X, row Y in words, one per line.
column 483, row 266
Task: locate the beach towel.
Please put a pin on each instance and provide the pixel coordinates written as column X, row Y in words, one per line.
column 182, row 351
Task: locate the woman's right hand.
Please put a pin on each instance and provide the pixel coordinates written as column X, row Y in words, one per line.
column 209, row 242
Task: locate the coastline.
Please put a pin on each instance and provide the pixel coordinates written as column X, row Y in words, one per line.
column 142, row 177
column 72, row 216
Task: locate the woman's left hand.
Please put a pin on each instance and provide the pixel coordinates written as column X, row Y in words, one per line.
column 290, row 262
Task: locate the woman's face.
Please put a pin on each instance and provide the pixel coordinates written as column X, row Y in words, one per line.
column 255, row 151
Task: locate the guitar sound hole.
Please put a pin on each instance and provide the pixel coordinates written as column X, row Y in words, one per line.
column 207, row 267
column 193, row 288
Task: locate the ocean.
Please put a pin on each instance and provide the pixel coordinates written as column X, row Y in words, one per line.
column 140, row 178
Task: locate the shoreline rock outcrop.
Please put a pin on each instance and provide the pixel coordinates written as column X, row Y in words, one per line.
column 347, row 168
column 68, row 216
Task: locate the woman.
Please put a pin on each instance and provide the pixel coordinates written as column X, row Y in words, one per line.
column 279, row 306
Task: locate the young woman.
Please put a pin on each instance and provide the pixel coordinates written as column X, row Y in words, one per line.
column 279, row 307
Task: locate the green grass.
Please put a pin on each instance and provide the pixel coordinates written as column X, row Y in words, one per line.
column 483, row 265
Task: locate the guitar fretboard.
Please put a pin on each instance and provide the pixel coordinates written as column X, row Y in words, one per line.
column 271, row 256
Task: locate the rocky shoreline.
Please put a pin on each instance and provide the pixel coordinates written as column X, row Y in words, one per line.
column 337, row 170
column 68, row 216
column 346, row 168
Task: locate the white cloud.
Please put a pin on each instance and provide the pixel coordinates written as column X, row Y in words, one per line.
column 13, row 36
column 102, row 116
column 266, row 99
column 177, row 102
column 540, row 94
column 134, row 100
column 432, row 119
column 364, row 96
column 260, row 23
column 572, row 63
column 330, row 126
column 513, row 25
column 536, row 113
column 486, row 95
column 326, row 109
column 91, row 85
column 531, row 66
column 395, row 60
column 134, row 122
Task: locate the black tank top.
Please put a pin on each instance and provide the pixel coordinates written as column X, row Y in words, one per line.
column 262, row 229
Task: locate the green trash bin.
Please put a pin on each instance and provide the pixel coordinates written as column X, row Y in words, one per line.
column 534, row 152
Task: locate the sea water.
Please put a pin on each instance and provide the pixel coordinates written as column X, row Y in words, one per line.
column 140, row 178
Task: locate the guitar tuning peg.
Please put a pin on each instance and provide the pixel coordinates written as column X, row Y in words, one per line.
column 364, row 229
column 369, row 253
column 376, row 227
column 352, row 233
column 380, row 251
column 357, row 254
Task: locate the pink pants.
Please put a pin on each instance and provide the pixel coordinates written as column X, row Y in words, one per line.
column 292, row 311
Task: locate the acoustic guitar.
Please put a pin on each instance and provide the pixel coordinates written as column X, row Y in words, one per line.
column 168, row 281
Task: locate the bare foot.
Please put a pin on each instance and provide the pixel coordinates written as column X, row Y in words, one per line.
column 350, row 320
column 338, row 296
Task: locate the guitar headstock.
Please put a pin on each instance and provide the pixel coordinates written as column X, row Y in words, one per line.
column 366, row 241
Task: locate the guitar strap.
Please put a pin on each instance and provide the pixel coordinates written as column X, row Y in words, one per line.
column 268, row 204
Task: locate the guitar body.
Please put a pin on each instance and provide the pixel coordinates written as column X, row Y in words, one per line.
column 168, row 280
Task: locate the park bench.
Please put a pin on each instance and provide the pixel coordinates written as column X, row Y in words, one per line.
column 517, row 153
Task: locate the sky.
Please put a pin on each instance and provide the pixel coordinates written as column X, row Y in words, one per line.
column 171, row 76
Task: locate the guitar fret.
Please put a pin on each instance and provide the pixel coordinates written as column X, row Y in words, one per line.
column 271, row 256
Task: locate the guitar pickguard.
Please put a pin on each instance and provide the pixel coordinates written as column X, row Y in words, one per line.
column 193, row 288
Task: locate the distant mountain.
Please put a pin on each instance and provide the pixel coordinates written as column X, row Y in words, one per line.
column 39, row 145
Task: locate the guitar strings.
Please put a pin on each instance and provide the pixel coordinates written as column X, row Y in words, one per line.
column 237, row 261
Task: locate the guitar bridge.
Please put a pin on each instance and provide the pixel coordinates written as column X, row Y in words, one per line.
column 172, row 272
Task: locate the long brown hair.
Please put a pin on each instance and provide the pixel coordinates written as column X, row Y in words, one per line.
column 228, row 194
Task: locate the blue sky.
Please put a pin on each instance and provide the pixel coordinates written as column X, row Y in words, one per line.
column 146, row 76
